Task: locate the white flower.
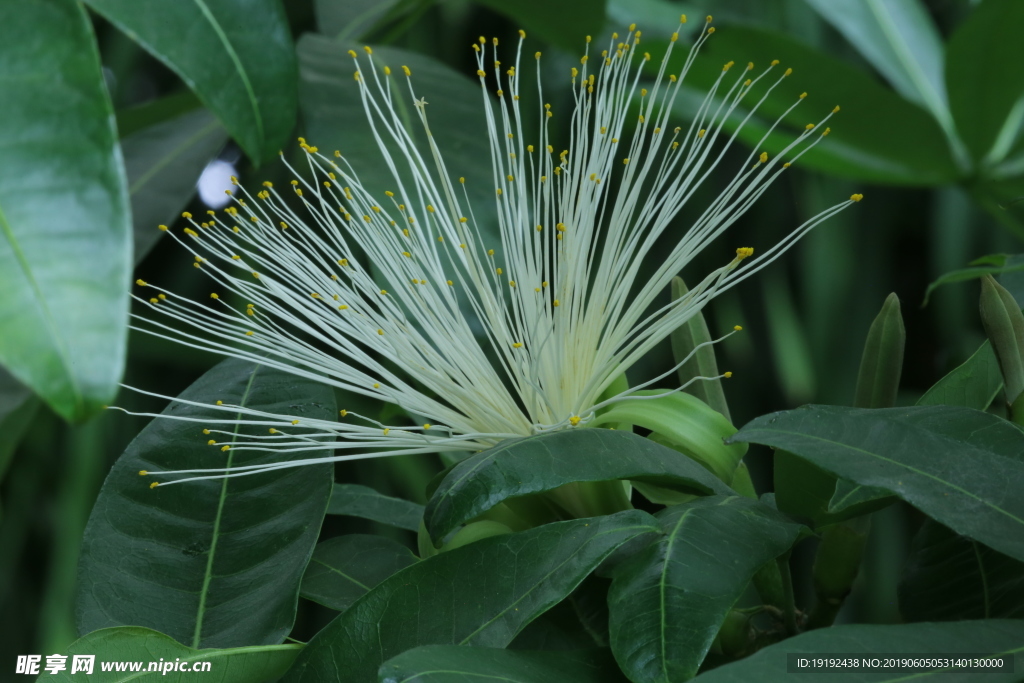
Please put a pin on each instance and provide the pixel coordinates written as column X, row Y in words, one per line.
column 396, row 285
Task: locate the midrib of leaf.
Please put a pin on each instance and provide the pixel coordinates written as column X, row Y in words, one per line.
column 904, row 466
column 215, row 25
column 913, row 69
column 984, row 578
column 208, row 574
column 341, row 574
column 663, row 627
column 178, row 151
column 8, row 232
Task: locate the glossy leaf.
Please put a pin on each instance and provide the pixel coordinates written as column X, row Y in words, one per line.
column 335, row 120
column 900, row 39
column 445, row 663
column 163, row 163
column 344, row 568
column 985, row 85
column 65, row 249
column 877, row 136
column 951, row 463
column 480, row 594
column 769, row 665
column 973, row 384
column 136, row 645
column 949, row 577
column 533, row 464
column 362, row 501
column 236, row 55
column 668, row 602
column 215, row 562
column 975, row 272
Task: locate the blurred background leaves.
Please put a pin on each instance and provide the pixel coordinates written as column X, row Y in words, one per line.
column 932, row 105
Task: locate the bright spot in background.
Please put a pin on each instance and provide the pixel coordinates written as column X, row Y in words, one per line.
column 215, row 179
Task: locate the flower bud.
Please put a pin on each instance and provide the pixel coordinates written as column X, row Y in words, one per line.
column 882, row 361
column 1004, row 325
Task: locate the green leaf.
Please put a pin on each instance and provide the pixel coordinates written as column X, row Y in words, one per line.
column 853, row 500
column 350, row 19
column 973, row 384
column 362, row 501
column 807, row 492
column 533, row 464
column 668, row 602
column 134, row 645
column 900, row 39
column 215, row 562
column 480, row 594
column 17, row 406
column 566, row 23
column 344, row 568
column 1013, row 280
column 163, row 163
column 335, row 120
column 949, row 577
column 961, row 467
column 985, row 85
column 65, row 249
column 443, row 663
column 973, row 273
column 769, row 665
column 877, row 136
column 236, row 55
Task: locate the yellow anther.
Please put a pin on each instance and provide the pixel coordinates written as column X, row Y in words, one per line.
column 498, row 271
column 342, row 307
column 544, row 284
column 744, row 252
column 728, row 65
column 352, row 53
column 786, row 165
column 675, row 37
column 367, row 49
column 383, row 292
column 574, row 420
column 625, row 161
column 499, row 191
column 376, row 385
column 809, row 126
column 764, row 157
column 737, row 327
column 143, row 473
column 727, row 374
column 249, row 333
column 490, row 252
column 161, row 296
column 481, row 73
column 682, row 18
column 406, row 254
column 826, row 132
column 427, row 425
column 186, row 214
column 154, row 484
column 856, row 197
column 511, row 283
column 211, row 442
column 214, row 295
column 711, row 30
column 343, row 413
column 207, row 431
column 574, row 72
column 154, row 300
column 191, row 232
column 555, row 303
column 462, row 181
column 775, row 62
column 788, row 72
column 298, row 192
column 256, row 275
column 163, row 228
column 803, row 95
column 389, row 193
column 835, row 110
column 510, row 178
column 343, row 262
column 450, row 283
column 387, row 71
column 517, row 345
column 406, row 71
column 386, row 431
column 141, row 283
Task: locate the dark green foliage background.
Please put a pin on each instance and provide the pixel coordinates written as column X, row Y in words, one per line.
column 927, row 211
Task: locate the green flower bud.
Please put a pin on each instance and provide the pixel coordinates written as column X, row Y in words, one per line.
column 1004, row 325
column 882, row 362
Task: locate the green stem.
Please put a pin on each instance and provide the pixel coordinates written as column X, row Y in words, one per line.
column 789, row 602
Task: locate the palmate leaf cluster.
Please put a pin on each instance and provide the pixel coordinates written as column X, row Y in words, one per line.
column 527, row 565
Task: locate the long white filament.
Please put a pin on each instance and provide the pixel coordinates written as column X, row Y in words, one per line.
column 559, row 299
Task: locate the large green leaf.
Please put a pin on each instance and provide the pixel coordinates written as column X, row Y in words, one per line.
column 364, row 502
column 164, row 162
column 877, row 136
column 533, row 464
column 668, row 602
column 344, row 568
column 215, row 562
column 447, row 663
column 973, row 384
column 65, row 240
column 482, row 594
column 131, row 646
column 770, row 665
column 962, row 467
column 900, row 39
column 236, row 55
column 985, row 83
column 333, row 113
column 949, row 577
column 994, row 264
